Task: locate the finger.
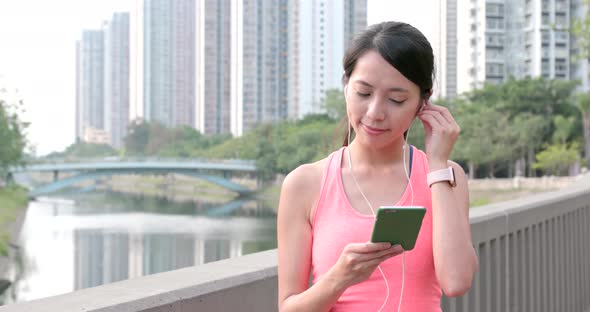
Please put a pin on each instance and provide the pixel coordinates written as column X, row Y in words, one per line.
column 441, row 120
column 432, row 121
column 368, row 247
column 375, row 255
column 443, row 111
column 375, row 262
column 450, row 127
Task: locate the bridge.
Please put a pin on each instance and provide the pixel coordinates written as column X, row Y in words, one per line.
column 215, row 171
column 533, row 253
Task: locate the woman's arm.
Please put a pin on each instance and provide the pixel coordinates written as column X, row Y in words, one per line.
column 356, row 262
column 455, row 260
column 298, row 193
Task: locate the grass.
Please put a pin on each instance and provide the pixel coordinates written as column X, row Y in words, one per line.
column 485, row 197
column 12, row 200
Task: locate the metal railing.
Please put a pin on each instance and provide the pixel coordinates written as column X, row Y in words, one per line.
column 534, row 255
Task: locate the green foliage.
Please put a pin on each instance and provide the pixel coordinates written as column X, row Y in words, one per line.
column 581, row 31
column 281, row 147
column 86, row 150
column 154, row 139
column 562, row 128
column 557, row 158
column 485, row 135
column 12, row 199
column 583, row 105
column 12, row 136
column 583, row 102
column 503, row 123
column 335, row 104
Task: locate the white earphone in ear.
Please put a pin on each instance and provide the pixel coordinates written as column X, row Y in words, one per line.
column 422, row 107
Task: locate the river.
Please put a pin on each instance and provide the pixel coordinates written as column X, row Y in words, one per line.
column 86, row 240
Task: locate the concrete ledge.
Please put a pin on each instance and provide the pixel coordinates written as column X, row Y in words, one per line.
column 217, row 286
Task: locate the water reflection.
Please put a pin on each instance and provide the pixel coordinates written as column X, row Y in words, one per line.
column 95, row 239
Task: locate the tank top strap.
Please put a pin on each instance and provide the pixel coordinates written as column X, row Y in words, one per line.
column 330, row 171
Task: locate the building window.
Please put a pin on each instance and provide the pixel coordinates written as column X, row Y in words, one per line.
column 545, row 68
column 561, row 36
column 560, row 66
column 561, row 21
column 494, row 9
column 545, row 19
column 495, row 23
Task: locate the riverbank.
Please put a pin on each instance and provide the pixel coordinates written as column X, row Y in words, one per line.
column 180, row 188
column 13, row 204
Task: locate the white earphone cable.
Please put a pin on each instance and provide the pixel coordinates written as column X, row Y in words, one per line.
column 373, row 211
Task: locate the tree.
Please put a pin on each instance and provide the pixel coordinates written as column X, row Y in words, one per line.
column 528, row 130
column 335, row 104
column 581, row 31
column 562, row 128
column 266, row 155
column 557, row 158
column 12, row 137
column 85, row 150
column 583, row 104
column 137, row 137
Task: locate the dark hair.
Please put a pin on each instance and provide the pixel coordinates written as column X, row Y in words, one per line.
column 402, row 46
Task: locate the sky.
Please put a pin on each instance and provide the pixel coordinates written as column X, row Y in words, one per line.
column 37, row 55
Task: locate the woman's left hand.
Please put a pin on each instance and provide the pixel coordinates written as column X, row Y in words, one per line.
column 441, row 133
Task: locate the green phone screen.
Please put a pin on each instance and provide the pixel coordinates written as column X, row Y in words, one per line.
column 398, row 225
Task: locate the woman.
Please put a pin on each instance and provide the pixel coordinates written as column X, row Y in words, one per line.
column 326, row 210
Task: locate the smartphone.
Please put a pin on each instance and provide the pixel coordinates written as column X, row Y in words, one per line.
column 398, row 225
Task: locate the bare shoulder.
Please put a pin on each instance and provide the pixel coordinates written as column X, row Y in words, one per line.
column 302, row 186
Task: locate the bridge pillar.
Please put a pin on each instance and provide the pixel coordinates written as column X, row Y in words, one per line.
column 55, row 175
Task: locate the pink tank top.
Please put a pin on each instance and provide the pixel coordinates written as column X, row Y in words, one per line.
column 336, row 223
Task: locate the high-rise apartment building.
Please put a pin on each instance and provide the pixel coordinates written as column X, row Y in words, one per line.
column 116, row 78
column 213, row 67
column 285, row 56
column 169, row 62
column 102, row 82
column 521, row 38
column 259, row 62
column 321, row 31
column 89, row 82
column 445, row 50
column 355, row 18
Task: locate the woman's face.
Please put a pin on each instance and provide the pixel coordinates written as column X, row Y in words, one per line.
column 381, row 103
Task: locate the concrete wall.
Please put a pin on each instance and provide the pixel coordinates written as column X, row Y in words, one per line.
column 247, row 283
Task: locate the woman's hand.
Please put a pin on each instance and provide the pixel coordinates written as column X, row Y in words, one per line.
column 359, row 260
column 441, row 133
